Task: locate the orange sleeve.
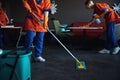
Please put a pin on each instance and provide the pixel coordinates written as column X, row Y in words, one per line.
column 1, row 24
column 101, row 6
column 47, row 5
column 26, row 5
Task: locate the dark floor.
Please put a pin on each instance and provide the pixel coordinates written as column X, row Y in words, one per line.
column 60, row 65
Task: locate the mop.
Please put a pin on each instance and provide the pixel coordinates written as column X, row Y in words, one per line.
column 79, row 64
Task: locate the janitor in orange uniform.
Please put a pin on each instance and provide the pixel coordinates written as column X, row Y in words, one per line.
column 110, row 16
column 40, row 8
column 3, row 22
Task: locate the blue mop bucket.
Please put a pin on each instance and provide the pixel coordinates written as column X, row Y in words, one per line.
column 22, row 69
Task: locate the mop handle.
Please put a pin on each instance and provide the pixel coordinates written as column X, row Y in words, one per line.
column 57, row 39
column 35, row 16
column 62, row 45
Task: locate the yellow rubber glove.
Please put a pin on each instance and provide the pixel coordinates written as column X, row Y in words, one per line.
column 26, row 5
column 45, row 23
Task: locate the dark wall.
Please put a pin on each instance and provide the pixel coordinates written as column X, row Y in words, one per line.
column 69, row 11
column 15, row 10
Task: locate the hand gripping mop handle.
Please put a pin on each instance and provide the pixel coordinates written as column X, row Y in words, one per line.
column 57, row 39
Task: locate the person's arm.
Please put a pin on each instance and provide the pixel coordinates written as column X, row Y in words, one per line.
column 26, row 5
column 46, row 14
column 104, row 11
column 1, row 24
column 96, row 16
column 7, row 19
column 89, row 23
column 46, row 10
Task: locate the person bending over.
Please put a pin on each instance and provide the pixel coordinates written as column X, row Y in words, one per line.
column 110, row 16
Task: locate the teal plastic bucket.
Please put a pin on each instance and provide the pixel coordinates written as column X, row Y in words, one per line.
column 22, row 70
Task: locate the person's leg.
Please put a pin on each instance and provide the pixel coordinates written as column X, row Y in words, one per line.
column 1, row 39
column 39, row 46
column 1, row 42
column 112, row 38
column 111, row 35
column 107, row 44
column 1, row 51
column 39, row 43
column 108, row 36
column 6, row 37
column 29, row 39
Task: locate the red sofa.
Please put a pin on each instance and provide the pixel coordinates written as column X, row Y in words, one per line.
column 89, row 33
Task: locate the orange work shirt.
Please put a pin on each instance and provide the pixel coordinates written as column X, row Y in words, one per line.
column 110, row 16
column 3, row 18
column 38, row 8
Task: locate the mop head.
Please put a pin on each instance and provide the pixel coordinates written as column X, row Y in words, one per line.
column 80, row 65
